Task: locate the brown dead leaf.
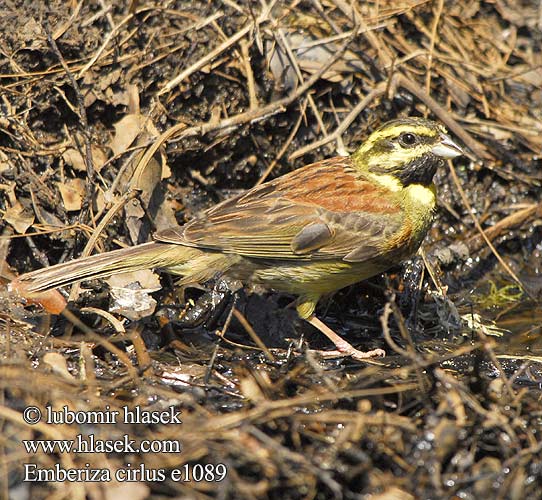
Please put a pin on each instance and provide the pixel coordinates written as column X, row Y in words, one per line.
column 58, row 364
column 134, row 214
column 120, row 98
column 145, row 278
column 393, row 493
column 74, row 159
column 51, row 300
column 132, row 304
column 99, row 158
column 72, row 193
column 250, row 389
column 19, row 218
column 148, row 181
column 309, row 56
column 99, row 200
column 44, row 216
column 108, row 79
column 126, row 131
column 181, row 375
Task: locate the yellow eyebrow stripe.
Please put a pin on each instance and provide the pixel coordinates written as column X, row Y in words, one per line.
column 399, row 129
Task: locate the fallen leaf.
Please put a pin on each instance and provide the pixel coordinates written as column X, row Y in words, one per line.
column 99, row 201
column 74, row 159
column 72, row 193
column 58, row 364
column 250, row 389
column 309, row 56
column 51, row 300
column 134, row 218
column 99, row 158
column 126, row 131
column 45, row 217
column 18, row 218
column 131, row 303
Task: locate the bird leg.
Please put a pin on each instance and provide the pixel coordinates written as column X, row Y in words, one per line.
column 343, row 347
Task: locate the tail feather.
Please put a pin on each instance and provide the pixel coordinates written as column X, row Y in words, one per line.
column 146, row 256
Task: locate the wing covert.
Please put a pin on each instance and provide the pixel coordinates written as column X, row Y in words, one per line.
column 322, row 211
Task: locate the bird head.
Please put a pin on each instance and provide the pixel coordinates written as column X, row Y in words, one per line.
column 408, row 149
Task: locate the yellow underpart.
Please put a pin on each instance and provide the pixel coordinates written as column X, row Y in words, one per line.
column 388, row 181
column 423, row 195
column 417, row 193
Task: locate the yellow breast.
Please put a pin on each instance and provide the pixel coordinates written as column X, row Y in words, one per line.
column 422, row 195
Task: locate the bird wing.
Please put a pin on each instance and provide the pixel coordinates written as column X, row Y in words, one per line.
column 321, row 211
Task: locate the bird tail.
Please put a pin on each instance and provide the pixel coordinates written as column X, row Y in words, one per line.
column 146, row 256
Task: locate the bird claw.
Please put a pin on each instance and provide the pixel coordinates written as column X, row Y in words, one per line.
column 352, row 352
column 343, row 347
column 346, row 349
column 375, row 353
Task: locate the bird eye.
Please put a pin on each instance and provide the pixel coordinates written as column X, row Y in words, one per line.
column 408, row 139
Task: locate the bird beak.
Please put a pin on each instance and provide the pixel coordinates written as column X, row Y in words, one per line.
column 447, row 148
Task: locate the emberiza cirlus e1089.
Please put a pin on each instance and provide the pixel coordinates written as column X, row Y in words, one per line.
column 310, row 232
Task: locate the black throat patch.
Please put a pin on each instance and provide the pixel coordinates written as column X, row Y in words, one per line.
column 420, row 170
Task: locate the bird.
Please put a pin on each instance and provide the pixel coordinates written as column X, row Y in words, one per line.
column 310, row 232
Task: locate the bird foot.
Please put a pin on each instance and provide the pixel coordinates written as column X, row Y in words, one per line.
column 353, row 353
column 344, row 349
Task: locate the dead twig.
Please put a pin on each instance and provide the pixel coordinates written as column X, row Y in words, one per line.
column 285, row 146
column 253, row 116
column 252, row 98
column 97, row 232
column 281, row 40
column 467, row 205
column 477, row 148
column 253, row 335
column 82, row 113
column 264, row 16
column 433, row 37
column 476, row 242
column 399, row 80
column 341, row 129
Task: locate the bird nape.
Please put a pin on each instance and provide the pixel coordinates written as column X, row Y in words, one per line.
column 310, row 232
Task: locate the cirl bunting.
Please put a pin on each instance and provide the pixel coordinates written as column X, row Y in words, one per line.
column 309, row 232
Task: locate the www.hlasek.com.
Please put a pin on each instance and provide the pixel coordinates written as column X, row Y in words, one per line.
column 122, row 445
column 91, row 444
